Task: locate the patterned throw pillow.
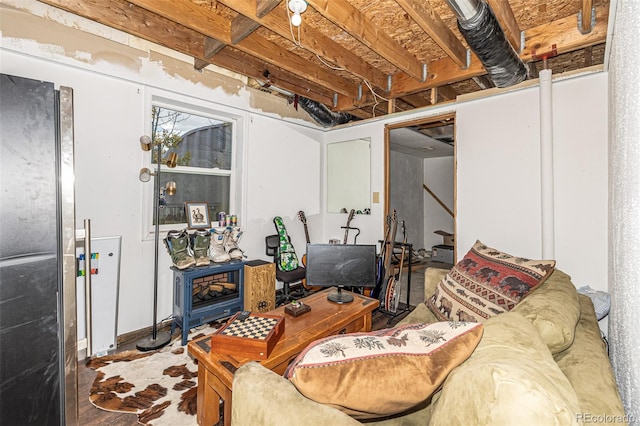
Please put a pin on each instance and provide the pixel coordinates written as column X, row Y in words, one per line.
column 485, row 283
column 380, row 373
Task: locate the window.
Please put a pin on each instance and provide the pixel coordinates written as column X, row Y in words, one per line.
column 204, row 172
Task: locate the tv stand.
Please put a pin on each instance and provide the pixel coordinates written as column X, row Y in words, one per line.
column 339, row 297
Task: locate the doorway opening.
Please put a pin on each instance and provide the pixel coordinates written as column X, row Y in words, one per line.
column 420, row 182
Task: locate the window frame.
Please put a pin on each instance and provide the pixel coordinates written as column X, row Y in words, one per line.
column 202, row 108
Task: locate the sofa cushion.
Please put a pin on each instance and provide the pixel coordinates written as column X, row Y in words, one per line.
column 380, row 373
column 586, row 365
column 554, row 311
column 511, row 378
column 485, row 283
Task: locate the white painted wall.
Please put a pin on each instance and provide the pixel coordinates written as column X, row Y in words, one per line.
column 406, row 196
column 498, row 172
column 438, row 176
column 498, row 182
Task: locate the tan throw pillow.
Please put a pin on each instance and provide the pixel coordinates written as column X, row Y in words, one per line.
column 510, row 379
column 554, row 311
column 376, row 374
column 485, row 283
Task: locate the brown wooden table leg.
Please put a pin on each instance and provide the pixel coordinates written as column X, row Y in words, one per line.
column 219, row 391
column 208, row 412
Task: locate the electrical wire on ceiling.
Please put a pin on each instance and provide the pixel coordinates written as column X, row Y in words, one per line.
column 298, row 43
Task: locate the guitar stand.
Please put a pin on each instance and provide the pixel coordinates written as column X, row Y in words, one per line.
column 351, row 227
column 406, row 308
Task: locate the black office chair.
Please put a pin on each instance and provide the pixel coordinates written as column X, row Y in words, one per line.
column 272, row 243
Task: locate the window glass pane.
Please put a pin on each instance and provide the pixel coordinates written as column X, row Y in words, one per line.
column 203, row 171
column 194, row 188
column 199, row 141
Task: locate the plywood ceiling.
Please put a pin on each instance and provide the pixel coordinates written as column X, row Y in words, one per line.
column 364, row 57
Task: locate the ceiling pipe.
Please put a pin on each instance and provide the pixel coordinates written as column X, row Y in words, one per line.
column 323, row 115
column 481, row 29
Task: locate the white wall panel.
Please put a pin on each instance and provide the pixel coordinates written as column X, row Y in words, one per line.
column 499, row 173
column 438, row 176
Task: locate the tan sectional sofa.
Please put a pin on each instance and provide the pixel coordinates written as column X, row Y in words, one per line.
column 543, row 363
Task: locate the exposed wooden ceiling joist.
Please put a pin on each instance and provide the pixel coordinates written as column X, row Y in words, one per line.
column 504, row 15
column 312, row 40
column 351, row 20
column 362, row 56
column 430, row 22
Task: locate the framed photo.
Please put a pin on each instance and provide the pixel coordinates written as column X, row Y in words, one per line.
column 197, row 215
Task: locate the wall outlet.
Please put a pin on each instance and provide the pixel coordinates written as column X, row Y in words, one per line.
column 376, row 197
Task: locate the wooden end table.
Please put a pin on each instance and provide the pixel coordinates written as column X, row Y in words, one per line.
column 215, row 371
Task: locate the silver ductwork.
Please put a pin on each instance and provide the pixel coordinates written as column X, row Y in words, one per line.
column 481, row 29
column 323, row 115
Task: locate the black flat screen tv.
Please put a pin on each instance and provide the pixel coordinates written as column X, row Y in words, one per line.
column 341, row 265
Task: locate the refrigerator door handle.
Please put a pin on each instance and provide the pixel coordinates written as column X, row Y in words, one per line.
column 87, row 285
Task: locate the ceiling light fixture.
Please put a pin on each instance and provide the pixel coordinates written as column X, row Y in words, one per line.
column 297, row 7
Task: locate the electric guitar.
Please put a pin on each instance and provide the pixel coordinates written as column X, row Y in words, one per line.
column 303, row 219
column 346, row 230
column 387, row 263
column 392, row 297
column 380, row 261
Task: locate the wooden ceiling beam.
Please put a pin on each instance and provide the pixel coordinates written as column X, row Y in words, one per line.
column 563, row 33
column 281, row 57
column 430, row 22
column 504, row 15
column 433, row 95
column 217, row 24
column 312, row 40
column 263, row 7
column 242, row 63
column 587, row 9
column 447, row 93
column 346, row 16
column 241, row 27
column 132, row 19
column 415, row 100
column 211, row 48
column 252, row 44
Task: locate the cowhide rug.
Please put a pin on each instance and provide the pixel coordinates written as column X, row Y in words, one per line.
column 160, row 386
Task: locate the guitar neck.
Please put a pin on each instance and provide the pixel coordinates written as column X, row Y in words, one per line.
column 404, row 249
column 346, row 228
column 306, row 233
column 389, row 249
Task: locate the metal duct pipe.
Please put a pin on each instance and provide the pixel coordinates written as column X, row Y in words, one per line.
column 465, row 9
column 481, row 29
column 323, row 115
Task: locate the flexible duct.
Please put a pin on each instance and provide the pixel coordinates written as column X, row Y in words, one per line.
column 323, row 115
column 481, row 29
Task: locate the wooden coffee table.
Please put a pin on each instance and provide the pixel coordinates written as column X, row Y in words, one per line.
column 215, row 371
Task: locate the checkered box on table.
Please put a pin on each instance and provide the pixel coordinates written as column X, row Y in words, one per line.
column 252, row 338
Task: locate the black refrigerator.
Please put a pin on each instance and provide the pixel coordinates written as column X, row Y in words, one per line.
column 38, row 348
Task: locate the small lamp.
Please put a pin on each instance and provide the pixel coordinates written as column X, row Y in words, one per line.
column 170, row 188
column 172, row 160
column 157, row 339
column 145, row 143
column 145, row 175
